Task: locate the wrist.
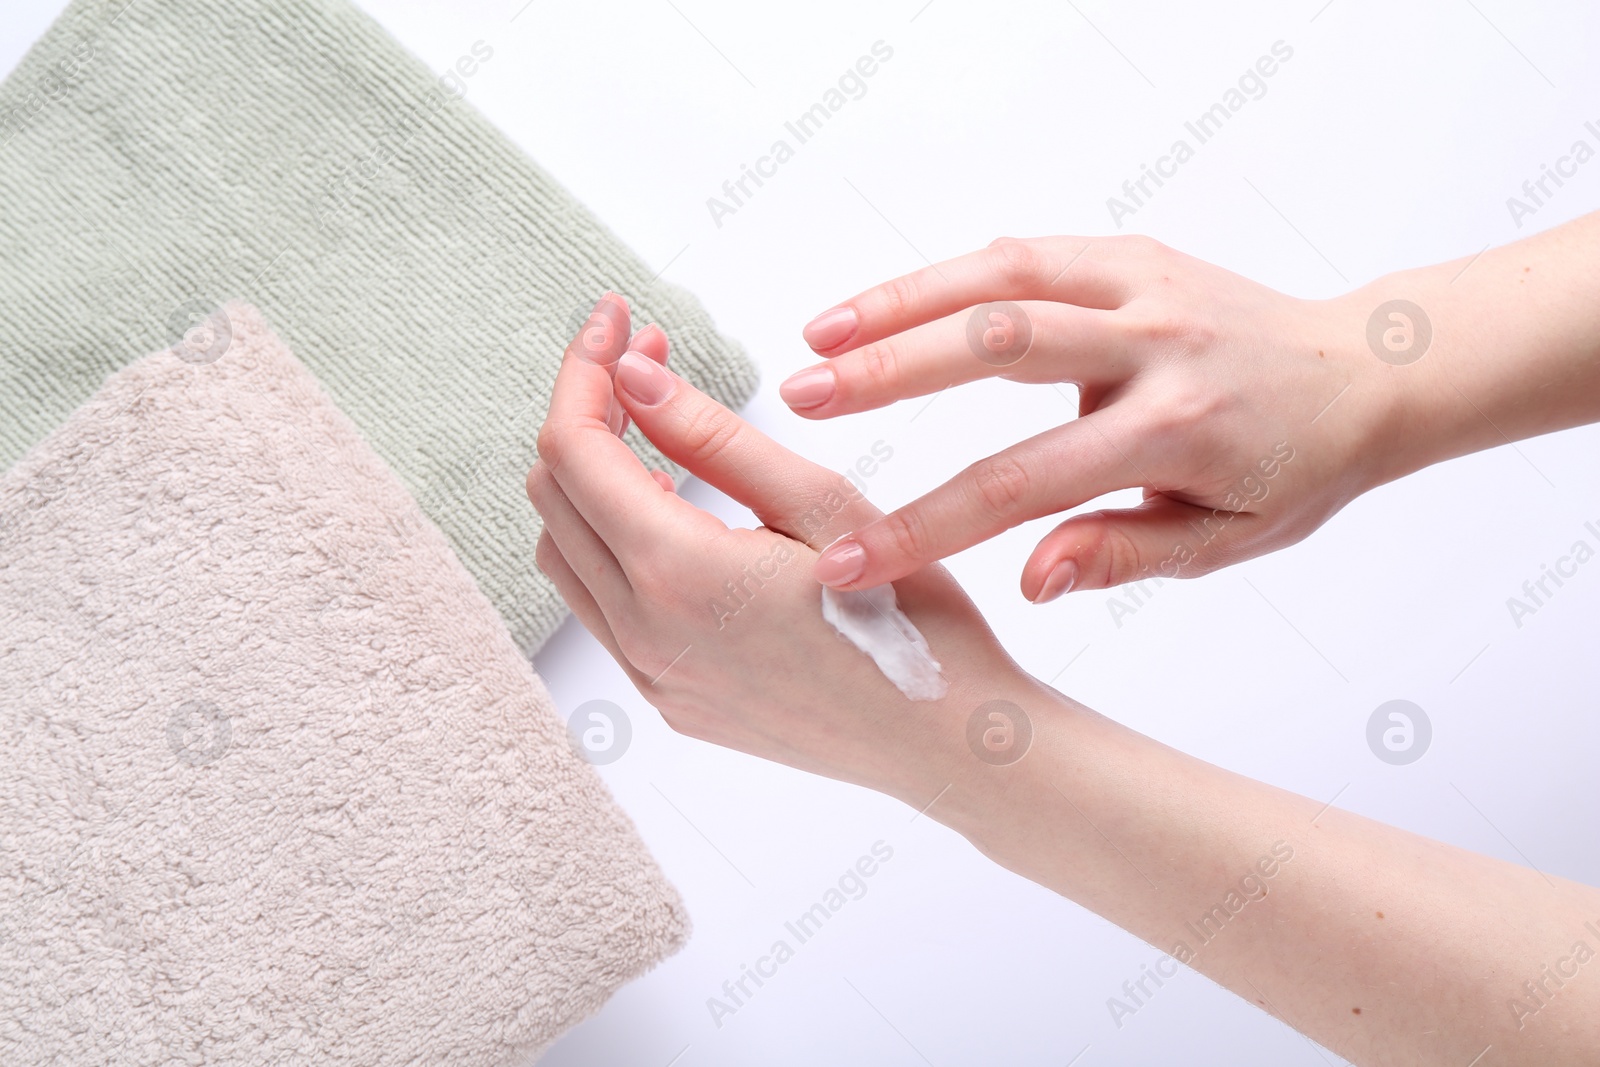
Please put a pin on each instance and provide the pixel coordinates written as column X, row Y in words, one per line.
column 1005, row 747
column 965, row 750
column 1408, row 422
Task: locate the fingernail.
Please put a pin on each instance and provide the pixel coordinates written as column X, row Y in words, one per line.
column 810, row 388
column 1062, row 577
column 840, row 563
column 595, row 335
column 831, row 328
column 643, row 379
column 639, row 339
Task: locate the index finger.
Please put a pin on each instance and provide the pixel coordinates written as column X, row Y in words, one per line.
column 786, row 492
column 602, row 477
column 1052, row 472
column 1070, row 269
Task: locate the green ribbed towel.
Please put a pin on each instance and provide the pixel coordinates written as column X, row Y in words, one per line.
column 161, row 157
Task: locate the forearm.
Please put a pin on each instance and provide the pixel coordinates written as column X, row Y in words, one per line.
column 1385, row 946
column 1514, row 351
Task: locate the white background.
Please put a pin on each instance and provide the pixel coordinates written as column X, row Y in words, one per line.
column 1392, row 138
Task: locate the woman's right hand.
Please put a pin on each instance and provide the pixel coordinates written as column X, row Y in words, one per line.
column 1247, row 417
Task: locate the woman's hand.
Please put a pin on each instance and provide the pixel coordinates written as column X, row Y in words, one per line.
column 1242, row 413
column 721, row 629
column 1368, row 939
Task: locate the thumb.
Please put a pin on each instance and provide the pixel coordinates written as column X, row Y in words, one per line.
column 1161, row 538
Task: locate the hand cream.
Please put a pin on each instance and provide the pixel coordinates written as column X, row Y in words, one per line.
column 871, row 620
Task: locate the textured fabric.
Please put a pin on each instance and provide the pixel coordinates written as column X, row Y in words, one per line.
column 275, row 784
column 165, row 155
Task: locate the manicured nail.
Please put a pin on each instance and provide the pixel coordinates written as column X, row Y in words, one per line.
column 644, row 337
column 642, row 378
column 810, row 388
column 831, row 328
column 599, row 329
column 840, row 563
column 1062, row 577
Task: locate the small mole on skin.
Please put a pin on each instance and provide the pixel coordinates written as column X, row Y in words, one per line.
column 1380, row 914
column 1356, row 1010
column 1320, row 355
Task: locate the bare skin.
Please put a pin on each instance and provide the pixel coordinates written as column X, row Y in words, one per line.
column 1191, row 376
column 1385, row 946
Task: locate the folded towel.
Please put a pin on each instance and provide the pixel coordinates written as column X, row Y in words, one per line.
column 276, row 786
column 160, row 157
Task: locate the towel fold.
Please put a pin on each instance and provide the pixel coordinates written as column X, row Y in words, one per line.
column 161, row 157
column 276, row 785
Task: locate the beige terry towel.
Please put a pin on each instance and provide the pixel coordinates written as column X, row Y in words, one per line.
column 276, row 785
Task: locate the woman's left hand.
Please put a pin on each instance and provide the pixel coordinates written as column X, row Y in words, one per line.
column 721, row 629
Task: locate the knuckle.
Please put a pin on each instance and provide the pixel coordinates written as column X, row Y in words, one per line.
column 822, row 498
column 831, row 483
column 832, row 489
column 1000, row 485
column 1111, row 557
column 1174, row 415
column 707, row 431
column 548, row 445
column 1180, row 423
column 908, row 535
column 880, row 364
column 659, row 581
column 1142, row 245
column 1017, row 263
column 640, row 656
column 1124, row 560
column 899, row 296
column 635, row 643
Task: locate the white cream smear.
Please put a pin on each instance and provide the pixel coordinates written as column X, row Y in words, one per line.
column 871, row 620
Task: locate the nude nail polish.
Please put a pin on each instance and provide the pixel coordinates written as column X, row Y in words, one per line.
column 642, row 378
column 1062, row 577
column 598, row 331
column 840, row 563
column 810, row 388
column 831, row 328
column 645, row 339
